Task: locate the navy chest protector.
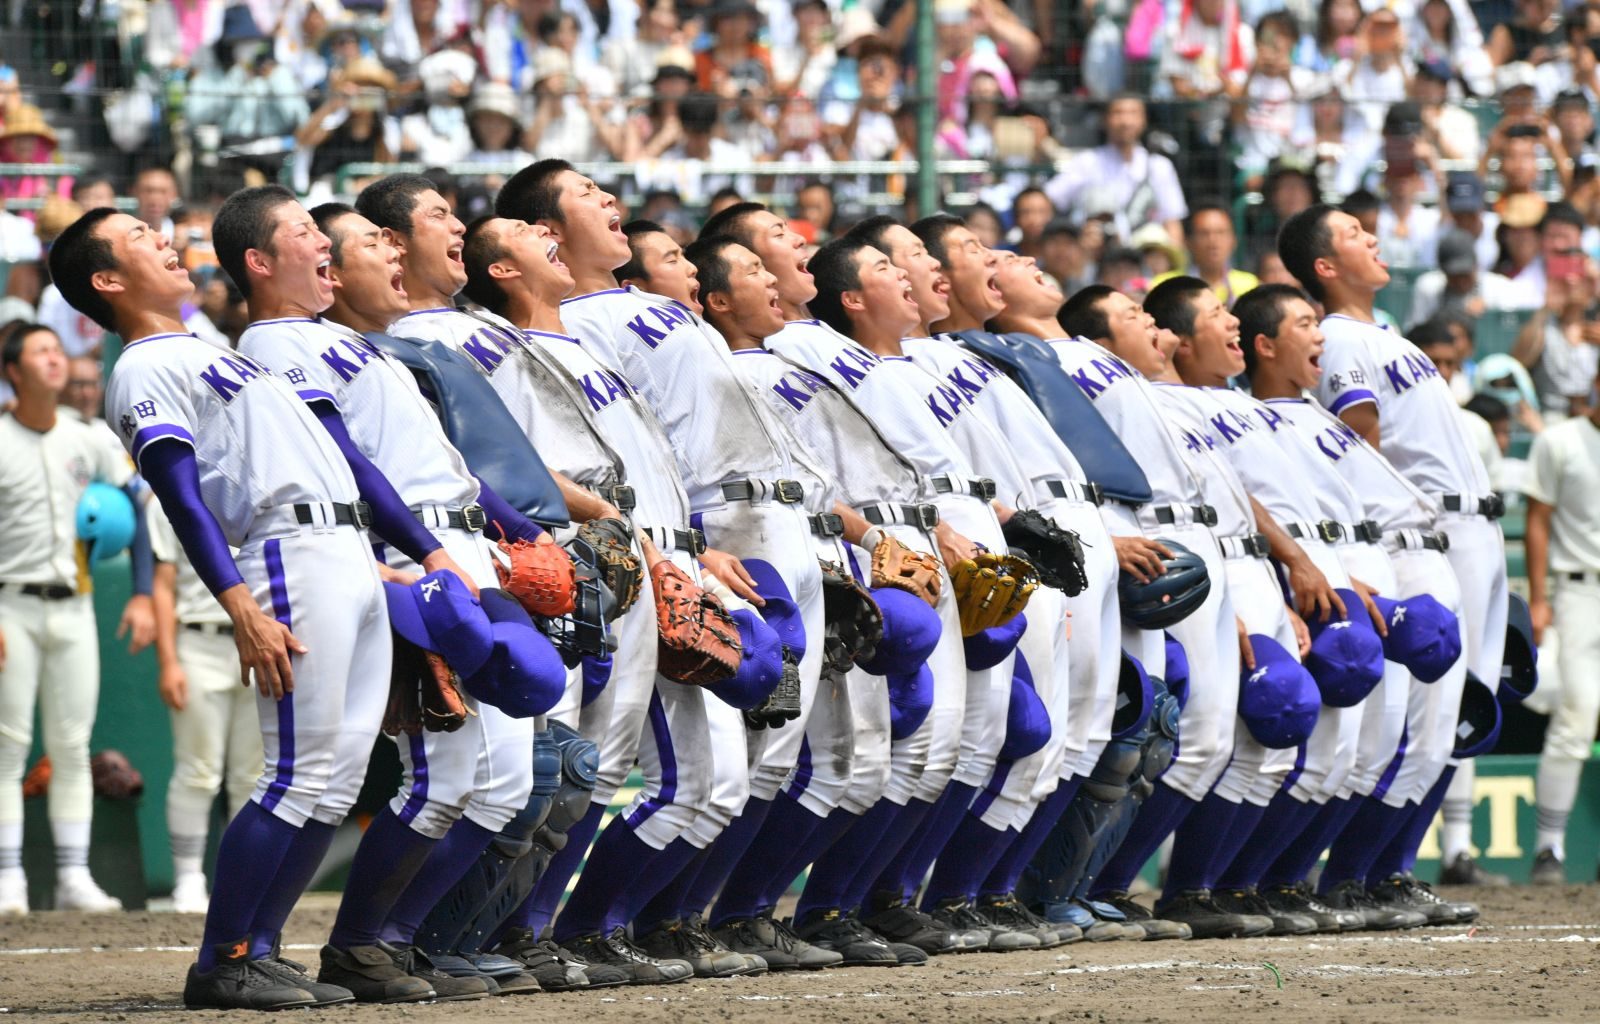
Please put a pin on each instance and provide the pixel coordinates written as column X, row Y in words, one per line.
column 1104, row 458
column 481, row 428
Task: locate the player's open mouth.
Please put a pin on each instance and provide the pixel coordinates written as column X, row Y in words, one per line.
column 322, row 269
column 616, row 223
column 550, row 255
column 802, row 265
column 694, row 291
column 172, row 262
column 454, row 254
column 941, row 285
column 396, row 282
column 992, row 287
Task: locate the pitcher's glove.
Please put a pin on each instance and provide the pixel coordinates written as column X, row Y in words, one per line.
column 424, row 693
column 618, row 564
column 541, row 576
column 991, row 589
column 1056, row 553
column 895, row 565
column 854, row 621
column 699, row 641
column 115, row 777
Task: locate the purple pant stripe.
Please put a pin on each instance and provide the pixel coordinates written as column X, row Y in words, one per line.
column 280, row 611
column 419, row 781
column 1387, row 778
column 997, row 783
column 803, row 770
column 669, row 765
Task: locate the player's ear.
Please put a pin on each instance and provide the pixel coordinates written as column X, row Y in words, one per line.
column 716, row 302
column 854, row 301
column 258, row 262
column 502, row 271
column 1265, row 347
column 395, row 239
column 107, row 281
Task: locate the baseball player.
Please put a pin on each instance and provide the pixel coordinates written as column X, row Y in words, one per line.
column 736, row 469
column 216, row 744
column 303, row 596
column 49, row 646
column 663, row 724
column 1563, row 570
column 1377, row 512
column 1391, row 394
column 866, row 308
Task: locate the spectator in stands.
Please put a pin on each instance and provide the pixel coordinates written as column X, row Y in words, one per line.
column 1433, row 338
column 1264, row 119
column 559, row 30
column 814, row 204
column 806, row 66
column 723, row 198
column 417, row 28
column 1450, row 131
column 1140, row 184
column 1291, row 186
column 984, row 220
column 657, row 128
column 1458, row 287
column 80, row 336
column 1577, row 66
column 438, row 133
column 93, row 191
column 353, row 124
column 568, row 122
column 1560, row 247
column 1122, row 269
column 1330, row 135
column 1062, row 256
column 1270, row 269
column 26, row 138
column 1157, row 254
column 1438, row 37
column 1031, row 212
column 1208, row 54
column 1518, row 238
column 1212, row 243
column 1533, row 34
column 243, row 93
column 634, row 60
column 700, row 141
column 1464, row 209
column 1573, row 138
column 494, row 120
column 155, row 190
column 1338, row 35
column 735, row 61
column 1378, row 74
column 863, row 128
column 973, row 36
column 510, row 36
column 1560, row 345
column 1407, row 230
column 1519, row 152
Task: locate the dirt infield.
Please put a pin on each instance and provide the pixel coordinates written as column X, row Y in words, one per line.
column 1533, row 956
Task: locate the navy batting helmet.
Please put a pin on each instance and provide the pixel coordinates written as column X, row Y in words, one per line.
column 1169, row 598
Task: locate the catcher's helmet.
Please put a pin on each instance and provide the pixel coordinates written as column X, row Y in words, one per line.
column 1169, row 598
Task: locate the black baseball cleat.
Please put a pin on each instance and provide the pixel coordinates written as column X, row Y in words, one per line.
column 774, row 942
column 1351, row 894
column 1463, row 870
column 371, row 976
column 617, row 950
column 292, row 972
column 959, row 916
column 1155, row 928
column 447, row 988
column 905, row 923
column 555, row 969
column 675, row 940
column 1006, row 911
column 1547, row 869
column 1206, row 920
column 847, row 936
column 1249, row 901
column 1297, row 899
column 1406, row 893
column 236, row 982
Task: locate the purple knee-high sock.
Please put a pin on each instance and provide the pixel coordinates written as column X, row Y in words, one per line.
column 1285, row 819
column 875, row 832
column 821, row 840
column 1163, row 812
column 1370, row 830
column 1007, row 872
column 1195, row 843
column 1245, row 825
column 966, row 861
column 787, row 828
column 908, row 829
column 937, row 829
column 1400, row 856
column 253, row 847
column 618, row 853
column 727, row 850
column 389, row 857
column 540, row 906
column 1300, row 856
column 447, row 864
column 294, row 875
column 652, row 898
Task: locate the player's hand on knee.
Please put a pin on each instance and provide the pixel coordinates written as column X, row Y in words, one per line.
column 953, row 547
column 1313, row 595
column 265, row 645
column 1539, row 611
column 1302, row 635
column 1141, row 557
column 1373, row 612
column 442, row 560
column 138, row 623
column 173, row 685
column 732, row 574
column 1247, row 654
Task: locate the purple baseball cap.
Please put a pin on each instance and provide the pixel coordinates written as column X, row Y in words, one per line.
column 989, row 647
column 439, row 614
column 911, row 631
column 760, row 663
column 1027, row 720
column 1346, row 658
column 910, row 700
column 524, row 675
column 1424, row 635
column 1278, row 699
column 1177, row 677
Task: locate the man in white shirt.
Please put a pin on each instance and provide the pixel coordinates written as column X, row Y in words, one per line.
column 1142, row 184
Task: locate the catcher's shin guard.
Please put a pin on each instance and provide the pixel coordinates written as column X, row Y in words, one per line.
column 564, row 768
column 1063, row 860
column 1155, row 754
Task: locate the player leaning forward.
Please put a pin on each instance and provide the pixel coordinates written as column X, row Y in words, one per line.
column 304, row 599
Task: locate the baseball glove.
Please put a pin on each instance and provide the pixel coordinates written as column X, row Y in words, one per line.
column 854, row 621
column 424, row 693
column 37, row 781
column 699, row 641
column 618, row 564
column 1169, row 598
column 541, row 576
column 895, row 565
column 991, row 589
column 1056, row 553
column 115, row 777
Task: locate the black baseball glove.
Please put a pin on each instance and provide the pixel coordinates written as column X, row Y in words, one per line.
column 1056, row 554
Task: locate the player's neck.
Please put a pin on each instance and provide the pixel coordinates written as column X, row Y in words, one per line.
column 738, row 341
column 588, row 280
column 1357, row 305
column 420, row 296
column 959, row 319
column 35, row 410
column 1038, row 326
column 266, row 304
column 879, row 341
column 356, row 321
column 142, row 323
column 794, row 310
column 533, row 312
column 1267, row 383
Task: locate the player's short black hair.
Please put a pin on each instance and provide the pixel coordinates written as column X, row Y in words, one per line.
column 389, row 202
column 531, row 194
column 1171, row 303
column 698, row 112
column 1083, row 315
column 732, row 223
column 1433, row 331
column 932, row 229
column 479, row 249
column 1261, row 311
column 873, row 229
column 77, row 254
column 1561, row 212
column 836, row 270
column 325, row 215
column 11, row 345
column 1304, row 239
column 243, row 223
column 1492, row 409
column 711, row 266
column 633, row 270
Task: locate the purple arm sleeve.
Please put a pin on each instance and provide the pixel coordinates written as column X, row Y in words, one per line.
column 505, row 522
column 169, row 467
column 391, row 518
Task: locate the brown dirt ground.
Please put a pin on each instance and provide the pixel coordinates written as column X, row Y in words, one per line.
column 1533, row 956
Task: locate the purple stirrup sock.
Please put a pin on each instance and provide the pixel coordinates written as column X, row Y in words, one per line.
column 295, row 872
column 787, row 828
column 968, row 857
column 1195, row 842
column 1369, row 831
column 1301, row 855
column 1400, row 856
column 651, row 899
column 726, row 852
column 618, row 853
column 253, row 847
column 389, row 857
column 828, row 884
column 447, row 864
column 1285, row 819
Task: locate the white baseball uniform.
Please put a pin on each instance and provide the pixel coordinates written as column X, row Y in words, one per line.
column 261, row 454
column 52, row 646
